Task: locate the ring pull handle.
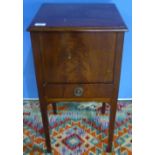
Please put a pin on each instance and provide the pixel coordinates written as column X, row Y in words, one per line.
column 78, row 91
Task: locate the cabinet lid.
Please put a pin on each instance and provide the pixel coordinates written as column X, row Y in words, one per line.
column 77, row 17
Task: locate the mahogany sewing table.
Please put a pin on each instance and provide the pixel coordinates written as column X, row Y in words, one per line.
column 77, row 52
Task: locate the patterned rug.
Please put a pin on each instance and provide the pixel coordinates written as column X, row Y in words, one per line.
column 78, row 129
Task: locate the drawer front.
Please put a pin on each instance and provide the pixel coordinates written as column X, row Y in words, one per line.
column 78, row 90
column 78, row 57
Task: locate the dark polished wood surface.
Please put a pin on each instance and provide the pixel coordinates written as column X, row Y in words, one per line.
column 78, row 16
column 77, row 56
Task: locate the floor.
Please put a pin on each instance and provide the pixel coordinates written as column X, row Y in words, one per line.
column 79, row 129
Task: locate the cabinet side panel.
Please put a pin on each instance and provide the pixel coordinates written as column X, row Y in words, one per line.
column 35, row 40
column 118, row 61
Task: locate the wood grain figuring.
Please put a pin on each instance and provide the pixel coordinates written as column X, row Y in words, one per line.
column 77, row 56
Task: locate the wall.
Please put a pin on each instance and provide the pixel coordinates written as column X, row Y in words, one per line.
column 30, row 8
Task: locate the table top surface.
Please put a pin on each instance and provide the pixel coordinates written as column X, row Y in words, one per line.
column 104, row 17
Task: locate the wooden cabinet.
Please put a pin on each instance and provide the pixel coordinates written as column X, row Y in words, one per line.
column 77, row 54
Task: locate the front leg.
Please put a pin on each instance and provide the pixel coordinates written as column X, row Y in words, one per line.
column 111, row 125
column 43, row 108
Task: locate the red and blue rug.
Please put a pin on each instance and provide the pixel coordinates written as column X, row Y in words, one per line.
column 78, row 129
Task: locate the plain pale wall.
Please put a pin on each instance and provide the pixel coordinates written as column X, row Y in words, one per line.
column 30, row 8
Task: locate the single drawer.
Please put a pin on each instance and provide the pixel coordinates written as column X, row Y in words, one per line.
column 81, row 57
column 78, row 90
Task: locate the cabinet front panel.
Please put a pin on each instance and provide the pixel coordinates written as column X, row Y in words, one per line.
column 78, row 57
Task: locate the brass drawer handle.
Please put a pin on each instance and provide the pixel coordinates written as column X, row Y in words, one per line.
column 78, row 91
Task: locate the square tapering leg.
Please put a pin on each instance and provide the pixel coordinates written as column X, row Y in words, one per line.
column 103, row 108
column 44, row 114
column 54, row 107
column 111, row 126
